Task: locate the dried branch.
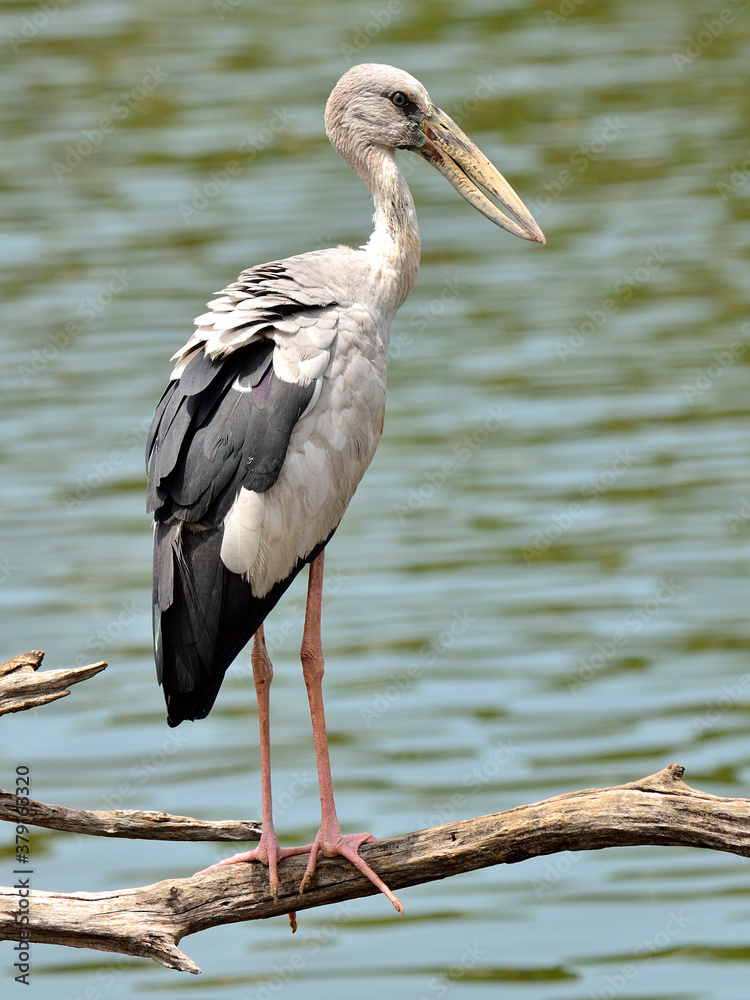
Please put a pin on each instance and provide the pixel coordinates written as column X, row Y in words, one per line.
column 150, row 921
column 132, row 824
column 21, row 687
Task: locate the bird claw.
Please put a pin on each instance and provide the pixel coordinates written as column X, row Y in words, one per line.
column 347, row 847
column 235, row 859
column 268, row 854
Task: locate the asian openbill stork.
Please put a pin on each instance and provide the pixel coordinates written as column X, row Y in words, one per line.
column 272, row 414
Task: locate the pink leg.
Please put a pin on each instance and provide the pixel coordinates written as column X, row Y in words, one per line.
column 329, row 839
column 268, row 850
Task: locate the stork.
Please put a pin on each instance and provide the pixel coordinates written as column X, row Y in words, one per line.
column 273, row 413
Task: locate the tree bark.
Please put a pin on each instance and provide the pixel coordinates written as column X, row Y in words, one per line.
column 150, row 921
column 21, row 687
column 133, row 824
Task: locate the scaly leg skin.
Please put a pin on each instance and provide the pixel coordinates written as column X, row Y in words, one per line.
column 268, row 850
column 329, row 840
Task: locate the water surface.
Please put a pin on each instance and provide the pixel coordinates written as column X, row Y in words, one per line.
column 541, row 584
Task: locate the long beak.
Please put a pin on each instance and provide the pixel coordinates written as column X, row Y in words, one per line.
column 466, row 167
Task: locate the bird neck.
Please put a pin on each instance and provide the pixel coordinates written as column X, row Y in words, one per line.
column 394, row 246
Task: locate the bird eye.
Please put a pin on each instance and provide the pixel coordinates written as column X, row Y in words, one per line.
column 400, row 100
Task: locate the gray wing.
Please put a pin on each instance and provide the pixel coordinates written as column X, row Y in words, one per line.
column 224, row 423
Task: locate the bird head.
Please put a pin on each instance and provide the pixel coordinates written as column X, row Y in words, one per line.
column 375, row 105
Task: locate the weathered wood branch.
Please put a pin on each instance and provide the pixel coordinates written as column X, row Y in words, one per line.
column 133, row 824
column 21, row 687
column 150, row 921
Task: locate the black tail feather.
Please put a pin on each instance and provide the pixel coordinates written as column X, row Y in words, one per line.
column 211, row 616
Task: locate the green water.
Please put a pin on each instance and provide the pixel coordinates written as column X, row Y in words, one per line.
column 541, row 584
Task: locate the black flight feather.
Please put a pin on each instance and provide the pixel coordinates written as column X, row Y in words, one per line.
column 223, row 425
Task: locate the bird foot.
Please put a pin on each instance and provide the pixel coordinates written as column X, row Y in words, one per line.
column 268, row 852
column 335, row 844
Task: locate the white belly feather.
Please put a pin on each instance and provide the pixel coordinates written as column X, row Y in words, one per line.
column 265, row 534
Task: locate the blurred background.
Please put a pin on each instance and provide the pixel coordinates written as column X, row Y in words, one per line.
column 541, row 584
